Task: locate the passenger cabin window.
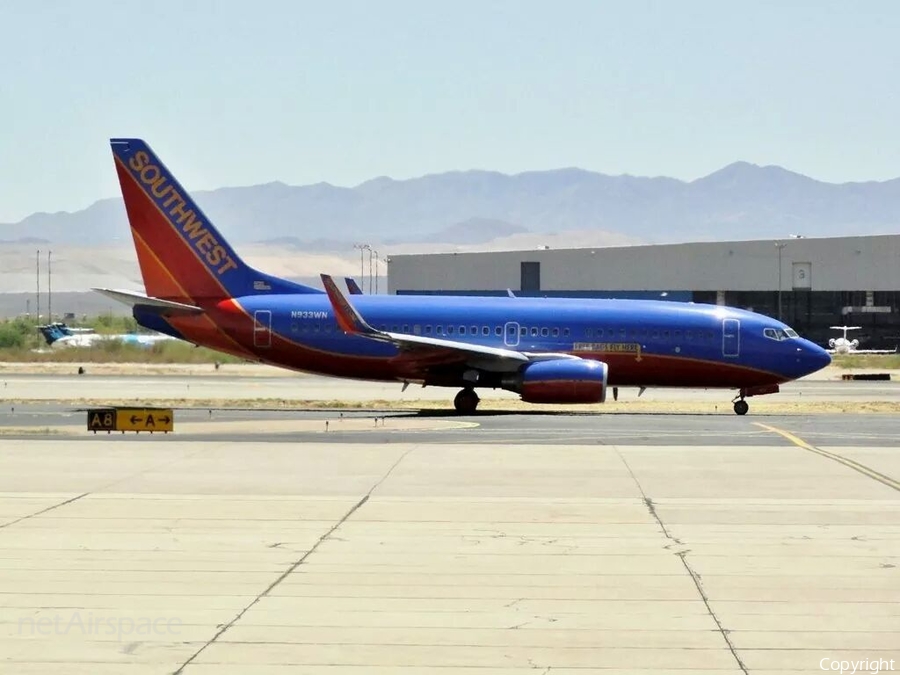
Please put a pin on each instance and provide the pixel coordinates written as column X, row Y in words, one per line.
column 565, row 332
column 438, row 330
column 427, row 330
column 589, row 333
column 545, row 332
column 534, row 332
column 498, row 331
column 474, row 330
column 556, row 332
column 462, row 330
column 449, row 330
column 523, row 331
column 485, row 330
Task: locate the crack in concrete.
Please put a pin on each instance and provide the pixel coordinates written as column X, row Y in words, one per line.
column 98, row 489
column 698, row 582
column 682, row 555
column 42, row 511
column 293, row 566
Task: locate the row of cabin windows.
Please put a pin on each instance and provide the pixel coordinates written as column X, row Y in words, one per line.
column 645, row 333
column 312, row 328
column 525, row 331
column 484, row 331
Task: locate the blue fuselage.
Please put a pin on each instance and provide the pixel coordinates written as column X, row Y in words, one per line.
column 645, row 343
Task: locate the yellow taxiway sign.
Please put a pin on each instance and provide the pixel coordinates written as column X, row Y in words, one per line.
column 131, row 419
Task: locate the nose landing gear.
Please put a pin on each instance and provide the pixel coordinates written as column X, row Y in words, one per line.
column 466, row 401
column 741, row 406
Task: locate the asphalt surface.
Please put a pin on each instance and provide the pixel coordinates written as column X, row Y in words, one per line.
column 69, row 423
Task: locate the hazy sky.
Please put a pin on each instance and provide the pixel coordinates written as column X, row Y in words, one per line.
column 239, row 93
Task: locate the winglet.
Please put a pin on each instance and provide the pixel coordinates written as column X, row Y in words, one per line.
column 347, row 317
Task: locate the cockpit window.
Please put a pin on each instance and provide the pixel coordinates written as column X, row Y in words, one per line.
column 780, row 333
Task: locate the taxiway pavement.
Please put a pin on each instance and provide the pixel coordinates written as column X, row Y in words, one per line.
column 256, row 541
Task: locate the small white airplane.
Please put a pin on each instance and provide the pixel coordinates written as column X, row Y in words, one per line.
column 60, row 335
column 844, row 345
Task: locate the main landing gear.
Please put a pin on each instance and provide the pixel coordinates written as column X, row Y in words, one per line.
column 466, row 402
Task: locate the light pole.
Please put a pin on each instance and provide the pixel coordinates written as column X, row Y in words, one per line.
column 376, row 270
column 37, row 307
column 780, row 246
column 362, row 268
column 49, row 290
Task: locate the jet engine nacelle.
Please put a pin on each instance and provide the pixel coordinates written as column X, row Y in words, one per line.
column 564, row 381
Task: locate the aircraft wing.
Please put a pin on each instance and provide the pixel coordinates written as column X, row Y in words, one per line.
column 352, row 322
column 861, row 351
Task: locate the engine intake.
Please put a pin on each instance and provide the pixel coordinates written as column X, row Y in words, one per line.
column 564, row 381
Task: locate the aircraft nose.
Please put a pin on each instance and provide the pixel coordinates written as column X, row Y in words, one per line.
column 814, row 357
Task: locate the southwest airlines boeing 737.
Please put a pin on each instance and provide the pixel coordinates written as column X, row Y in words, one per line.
column 547, row 350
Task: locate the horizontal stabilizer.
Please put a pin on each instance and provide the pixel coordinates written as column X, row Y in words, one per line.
column 140, row 300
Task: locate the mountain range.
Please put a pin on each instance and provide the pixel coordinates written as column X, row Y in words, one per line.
column 740, row 201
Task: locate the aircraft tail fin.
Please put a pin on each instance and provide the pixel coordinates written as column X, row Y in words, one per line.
column 183, row 257
column 51, row 333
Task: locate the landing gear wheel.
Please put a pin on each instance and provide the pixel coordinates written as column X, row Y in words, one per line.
column 741, row 407
column 466, row 401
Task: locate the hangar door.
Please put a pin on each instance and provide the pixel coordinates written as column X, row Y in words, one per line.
column 530, row 277
column 802, row 274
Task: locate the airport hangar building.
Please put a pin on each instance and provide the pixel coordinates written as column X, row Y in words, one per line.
column 810, row 283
